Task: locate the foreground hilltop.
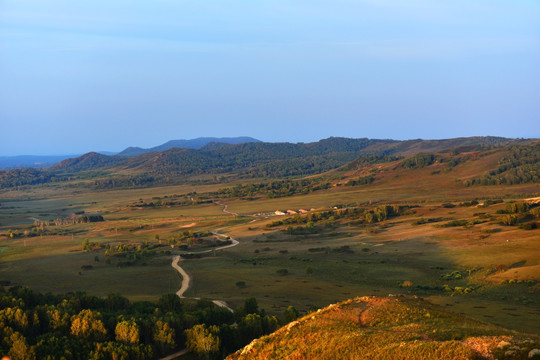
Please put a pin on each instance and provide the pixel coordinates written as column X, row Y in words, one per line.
column 390, row 328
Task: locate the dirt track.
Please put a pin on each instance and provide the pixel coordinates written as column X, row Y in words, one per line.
column 186, row 279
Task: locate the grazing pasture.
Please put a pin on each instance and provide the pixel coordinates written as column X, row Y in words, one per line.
column 447, row 242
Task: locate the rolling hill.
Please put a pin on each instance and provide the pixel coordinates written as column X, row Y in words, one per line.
column 504, row 165
column 91, row 160
column 260, row 160
column 390, row 328
column 265, row 158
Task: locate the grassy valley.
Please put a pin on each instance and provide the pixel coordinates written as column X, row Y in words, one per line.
column 454, row 222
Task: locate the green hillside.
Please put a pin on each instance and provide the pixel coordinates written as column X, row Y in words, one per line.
column 91, row 160
column 216, row 161
column 451, row 168
column 387, row 222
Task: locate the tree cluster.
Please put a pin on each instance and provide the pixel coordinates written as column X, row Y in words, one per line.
column 274, row 189
column 520, row 166
column 79, row 219
column 419, row 160
column 79, row 326
column 329, row 217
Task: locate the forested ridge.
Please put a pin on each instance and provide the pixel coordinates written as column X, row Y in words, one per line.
column 247, row 160
column 521, row 165
column 189, row 144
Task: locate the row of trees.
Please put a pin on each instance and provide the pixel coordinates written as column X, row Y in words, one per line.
column 365, row 180
column 273, row 189
column 129, row 253
column 517, row 207
column 35, row 231
column 520, row 212
column 187, row 238
column 40, row 228
column 79, row 326
column 419, row 160
column 328, row 217
column 79, row 219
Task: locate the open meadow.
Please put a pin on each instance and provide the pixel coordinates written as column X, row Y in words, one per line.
column 435, row 243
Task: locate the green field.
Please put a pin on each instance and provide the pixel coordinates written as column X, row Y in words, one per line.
column 380, row 259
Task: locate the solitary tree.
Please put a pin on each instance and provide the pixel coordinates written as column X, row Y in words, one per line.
column 251, row 306
column 127, row 332
column 291, row 314
column 20, row 350
column 164, row 336
column 251, row 327
column 86, row 245
column 170, row 303
column 87, row 324
column 202, row 340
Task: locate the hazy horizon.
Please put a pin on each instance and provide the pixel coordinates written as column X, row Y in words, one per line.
column 295, row 142
column 102, row 76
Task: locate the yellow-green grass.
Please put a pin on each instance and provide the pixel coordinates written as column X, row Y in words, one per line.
column 118, row 195
column 502, row 312
column 531, row 272
column 61, row 274
column 388, row 328
column 398, row 252
column 405, row 252
column 49, row 202
column 380, row 193
column 395, row 184
column 53, row 262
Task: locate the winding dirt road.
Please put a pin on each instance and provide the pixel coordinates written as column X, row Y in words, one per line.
column 175, row 355
column 225, row 208
column 186, row 279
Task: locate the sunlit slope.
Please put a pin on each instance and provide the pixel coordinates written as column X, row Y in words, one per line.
column 508, row 165
column 238, row 161
column 389, row 328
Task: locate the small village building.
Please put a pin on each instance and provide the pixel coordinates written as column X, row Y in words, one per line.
column 279, row 212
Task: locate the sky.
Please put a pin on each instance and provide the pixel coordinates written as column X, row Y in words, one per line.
column 95, row 75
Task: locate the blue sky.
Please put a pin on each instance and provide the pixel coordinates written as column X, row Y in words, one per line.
column 89, row 75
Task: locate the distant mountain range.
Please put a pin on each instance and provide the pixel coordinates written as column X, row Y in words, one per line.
column 43, row 161
column 31, row 161
column 187, row 144
column 220, row 161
